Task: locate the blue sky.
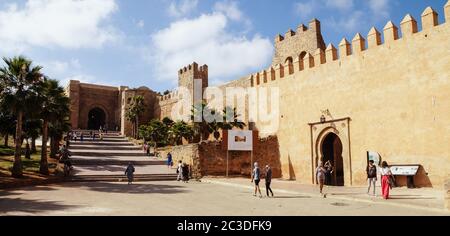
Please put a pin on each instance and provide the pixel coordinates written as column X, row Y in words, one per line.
column 144, row 42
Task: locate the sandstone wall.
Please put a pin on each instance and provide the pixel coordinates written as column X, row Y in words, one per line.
column 210, row 159
column 395, row 94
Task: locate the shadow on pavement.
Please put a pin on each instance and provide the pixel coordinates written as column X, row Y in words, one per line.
column 20, row 206
column 136, row 188
column 109, row 168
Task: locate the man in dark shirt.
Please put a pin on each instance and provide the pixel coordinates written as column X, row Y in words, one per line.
column 268, row 180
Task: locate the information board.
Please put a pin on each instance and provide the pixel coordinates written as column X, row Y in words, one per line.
column 240, row 140
column 404, row 170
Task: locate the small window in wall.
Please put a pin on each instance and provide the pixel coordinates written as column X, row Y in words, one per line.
column 302, row 55
column 289, row 59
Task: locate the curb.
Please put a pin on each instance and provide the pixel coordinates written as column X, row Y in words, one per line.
column 440, row 210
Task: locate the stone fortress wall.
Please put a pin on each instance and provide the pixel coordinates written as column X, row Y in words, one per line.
column 394, row 93
column 386, row 93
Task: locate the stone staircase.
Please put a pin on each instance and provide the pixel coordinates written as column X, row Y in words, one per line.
column 106, row 160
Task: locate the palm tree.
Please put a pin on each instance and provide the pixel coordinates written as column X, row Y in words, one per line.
column 56, row 131
column 231, row 119
column 136, row 108
column 54, row 110
column 7, row 124
column 180, row 130
column 32, row 130
column 200, row 127
column 156, row 132
column 19, row 80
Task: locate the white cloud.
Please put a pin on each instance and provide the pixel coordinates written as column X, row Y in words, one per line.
column 82, row 78
column 379, row 7
column 349, row 23
column 57, row 23
column 305, row 9
column 182, row 7
column 140, row 24
column 58, row 69
column 206, row 40
column 230, row 9
column 343, row 5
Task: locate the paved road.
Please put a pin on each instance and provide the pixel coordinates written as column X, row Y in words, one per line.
column 177, row 199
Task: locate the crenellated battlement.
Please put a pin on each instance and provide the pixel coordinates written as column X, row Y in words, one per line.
column 314, row 27
column 194, row 69
column 294, row 43
column 358, row 47
column 173, row 95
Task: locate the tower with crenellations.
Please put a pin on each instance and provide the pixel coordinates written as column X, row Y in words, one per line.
column 298, row 43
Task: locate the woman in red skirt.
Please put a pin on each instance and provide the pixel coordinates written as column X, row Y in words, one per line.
column 385, row 176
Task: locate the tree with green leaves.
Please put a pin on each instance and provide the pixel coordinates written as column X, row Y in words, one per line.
column 56, row 131
column 180, row 130
column 231, row 119
column 199, row 124
column 7, row 124
column 156, row 132
column 55, row 111
column 19, row 80
column 136, row 108
column 32, row 130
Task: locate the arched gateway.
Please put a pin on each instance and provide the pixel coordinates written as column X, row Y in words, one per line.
column 330, row 141
column 96, row 119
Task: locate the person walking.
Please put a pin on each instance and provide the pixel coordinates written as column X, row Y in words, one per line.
column 75, row 137
column 256, row 176
column 185, row 173
column 320, row 176
column 81, row 137
column 328, row 175
column 386, row 176
column 180, row 171
column 268, row 179
column 129, row 172
column 371, row 177
column 169, row 160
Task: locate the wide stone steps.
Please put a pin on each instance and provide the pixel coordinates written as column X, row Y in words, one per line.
column 106, row 160
column 108, row 154
column 123, row 178
column 102, row 162
column 98, row 143
column 112, row 147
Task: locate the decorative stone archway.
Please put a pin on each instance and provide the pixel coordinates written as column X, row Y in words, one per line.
column 86, row 112
column 97, row 118
column 319, row 132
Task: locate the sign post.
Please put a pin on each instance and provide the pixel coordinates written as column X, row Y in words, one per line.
column 227, row 162
column 239, row 140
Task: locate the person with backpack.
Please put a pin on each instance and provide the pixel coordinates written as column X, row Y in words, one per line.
column 129, row 172
column 371, row 176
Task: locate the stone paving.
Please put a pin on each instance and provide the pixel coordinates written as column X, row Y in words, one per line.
column 419, row 198
column 171, row 198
